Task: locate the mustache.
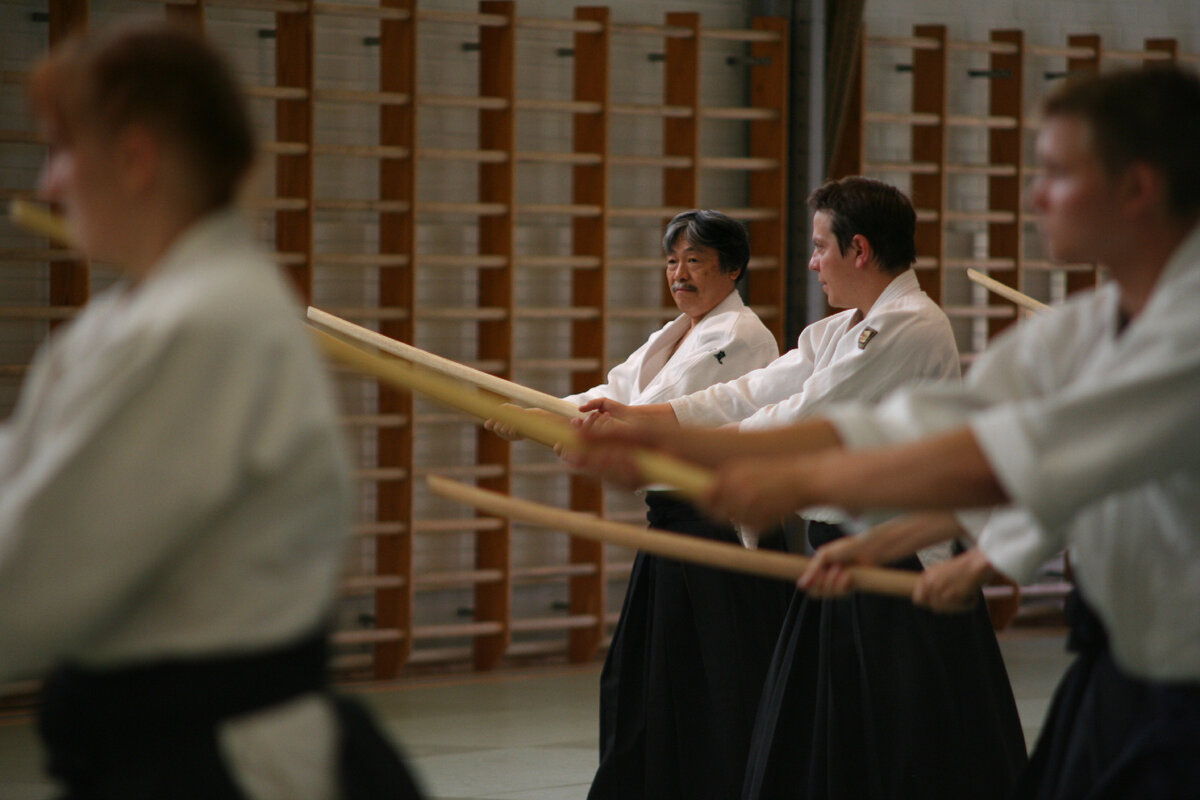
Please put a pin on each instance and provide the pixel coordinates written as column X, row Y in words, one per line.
column 683, row 286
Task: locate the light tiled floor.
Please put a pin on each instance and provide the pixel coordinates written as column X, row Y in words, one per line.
column 528, row 735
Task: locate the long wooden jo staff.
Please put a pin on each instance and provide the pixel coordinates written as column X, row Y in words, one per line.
column 689, row 479
column 38, row 219
column 1007, row 292
column 673, row 545
column 530, row 398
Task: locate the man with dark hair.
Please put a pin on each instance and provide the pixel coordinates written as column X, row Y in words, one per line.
column 1085, row 417
column 687, row 660
column 927, row 698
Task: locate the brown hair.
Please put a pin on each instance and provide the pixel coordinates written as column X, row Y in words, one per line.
column 1150, row 114
column 876, row 210
column 157, row 75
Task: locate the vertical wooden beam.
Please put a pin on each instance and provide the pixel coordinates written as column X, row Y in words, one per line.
column 497, row 184
column 1077, row 279
column 768, row 188
column 929, row 145
column 1006, row 147
column 294, row 124
column 589, row 289
column 397, row 290
column 849, row 145
column 1168, row 46
column 681, row 135
column 70, row 281
column 191, row 16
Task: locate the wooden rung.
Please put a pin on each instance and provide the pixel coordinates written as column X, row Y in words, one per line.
column 22, row 137
column 445, row 417
column 1041, row 264
column 555, row 262
column 38, row 255
column 971, row 121
column 38, row 312
column 276, row 92
column 567, row 209
column 576, row 25
column 763, row 262
column 739, row 35
column 563, row 364
column 752, row 214
column 541, row 468
column 765, row 312
column 1002, row 48
column 381, row 474
column 473, row 209
column 1002, row 170
column 380, row 206
column 978, row 312
column 925, row 262
column 665, row 162
column 463, row 101
column 374, row 12
column 374, row 420
column 438, row 655
column 358, row 96
column 285, row 148
column 479, row 261
column 911, row 167
column 552, row 623
column 361, row 259
column 278, row 203
column 358, row 584
column 552, row 571
column 457, row 525
column 441, row 580
column 455, row 313
column 362, row 151
column 464, row 18
column 739, row 112
column 666, row 31
column 536, row 647
column 620, row 568
column 909, row 42
column 645, row 212
column 643, row 110
column 637, row 262
column 574, row 313
column 351, row 662
column 906, row 117
column 474, row 156
column 927, row 215
column 463, row 471
column 980, row 263
column 380, row 529
column 1064, row 52
column 740, row 163
column 567, row 106
column 583, row 159
column 454, row 631
column 343, row 638
column 368, row 313
column 981, row 216
column 1136, row 55
column 289, row 259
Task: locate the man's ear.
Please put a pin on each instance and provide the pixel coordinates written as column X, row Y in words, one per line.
column 863, row 253
column 1142, row 189
column 139, row 153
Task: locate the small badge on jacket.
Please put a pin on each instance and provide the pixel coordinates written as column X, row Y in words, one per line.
column 719, row 356
column 865, row 337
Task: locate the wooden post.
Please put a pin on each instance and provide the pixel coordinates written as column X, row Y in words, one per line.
column 497, row 131
column 397, row 289
column 1006, row 147
column 1084, row 279
column 681, row 135
column 768, row 188
column 294, row 123
column 929, row 145
column 589, row 289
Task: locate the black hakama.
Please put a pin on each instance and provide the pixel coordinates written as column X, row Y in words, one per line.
column 1108, row 735
column 872, row 697
column 150, row 732
column 685, row 670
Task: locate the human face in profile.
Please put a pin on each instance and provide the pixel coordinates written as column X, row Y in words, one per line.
column 695, row 278
column 835, row 269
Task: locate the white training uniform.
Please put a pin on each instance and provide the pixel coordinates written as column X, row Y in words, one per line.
column 1093, row 430
column 173, row 484
column 726, row 343
column 904, row 338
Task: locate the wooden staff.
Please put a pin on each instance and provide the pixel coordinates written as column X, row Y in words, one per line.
column 530, row 398
column 38, row 219
column 1007, row 292
column 722, row 555
column 691, row 480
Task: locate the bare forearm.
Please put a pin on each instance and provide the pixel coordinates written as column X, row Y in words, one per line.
column 713, row 447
